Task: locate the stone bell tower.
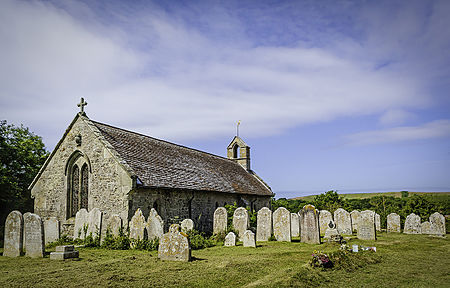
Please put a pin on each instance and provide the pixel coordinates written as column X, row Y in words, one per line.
column 239, row 151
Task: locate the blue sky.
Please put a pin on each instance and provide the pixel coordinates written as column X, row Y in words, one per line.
column 346, row 95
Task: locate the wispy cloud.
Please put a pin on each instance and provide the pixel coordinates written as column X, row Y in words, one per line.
column 434, row 129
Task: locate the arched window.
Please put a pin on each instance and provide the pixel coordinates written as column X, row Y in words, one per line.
column 75, row 188
column 77, row 183
column 235, row 151
column 84, row 187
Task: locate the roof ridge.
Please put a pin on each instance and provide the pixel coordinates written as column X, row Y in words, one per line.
column 165, row 141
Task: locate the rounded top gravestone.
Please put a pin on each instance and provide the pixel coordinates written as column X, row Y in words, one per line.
column 282, row 224
column 241, row 221
column 13, row 241
column 220, row 220
column 264, row 224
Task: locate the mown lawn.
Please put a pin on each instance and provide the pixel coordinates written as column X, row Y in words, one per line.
column 405, row 261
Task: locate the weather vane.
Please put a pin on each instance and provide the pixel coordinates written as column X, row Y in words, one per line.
column 81, row 105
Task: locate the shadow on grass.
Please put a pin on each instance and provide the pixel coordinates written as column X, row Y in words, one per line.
column 193, row 258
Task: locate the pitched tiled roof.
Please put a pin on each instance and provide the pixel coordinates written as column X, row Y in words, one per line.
column 159, row 163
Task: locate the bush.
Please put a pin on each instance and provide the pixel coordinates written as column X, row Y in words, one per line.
column 63, row 240
column 120, row 242
column 197, row 240
column 145, row 244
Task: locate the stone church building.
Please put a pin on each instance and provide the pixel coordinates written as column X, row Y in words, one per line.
column 96, row 165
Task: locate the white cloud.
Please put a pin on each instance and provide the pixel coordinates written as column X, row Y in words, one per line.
column 434, row 129
column 395, row 117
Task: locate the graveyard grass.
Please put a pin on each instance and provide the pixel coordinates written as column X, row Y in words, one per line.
column 406, row 261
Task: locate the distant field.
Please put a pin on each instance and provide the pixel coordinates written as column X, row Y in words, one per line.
column 369, row 195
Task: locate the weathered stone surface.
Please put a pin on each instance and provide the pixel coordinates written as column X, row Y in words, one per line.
column 309, row 225
column 187, row 225
column 295, row 225
column 64, row 252
column 34, row 234
column 220, row 220
column 343, row 221
column 241, row 221
column 81, row 224
column 13, row 241
column 65, row 248
column 332, row 234
column 264, row 224
column 377, row 222
column 25, row 240
column 137, row 225
column 324, row 218
column 174, row 245
column 114, row 225
column 412, row 224
column 230, row 239
column 51, row 230
column 249, row 239
column 437, row 221
column 155, row 225
column 366, row 226
column 355, row 214
column 425, row 228
column 393, row 222
column 95, row 222
column 282, row 224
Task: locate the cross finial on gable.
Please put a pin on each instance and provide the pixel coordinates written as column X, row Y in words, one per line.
column 81, row 105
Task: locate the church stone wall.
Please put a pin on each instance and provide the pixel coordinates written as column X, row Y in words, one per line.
column 109, row 183
column 173, row 204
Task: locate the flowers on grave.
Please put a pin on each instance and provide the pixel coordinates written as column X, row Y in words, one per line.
column 320, row 259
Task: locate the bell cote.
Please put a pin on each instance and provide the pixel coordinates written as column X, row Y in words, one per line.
column 239, row 151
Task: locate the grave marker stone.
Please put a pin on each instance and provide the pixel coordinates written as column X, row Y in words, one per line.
column 282, row 224
column 95, row 222
column 81, row 222
column 437, row 221
column 295, row 225
column 64, row 252
column 377, row 222
column 324, row 219
column 138, row 225
column 241, row 221
column 13, row 241
column 366, row 226
column 249, row 239
column 114, row 225
column 230, row 239
column 264, row 224
column 393, row 223
column 24, row 240
column 34, row 234
column 355, row 214
column 220, row 220
column 155, row 226
column 187, row 225
column 343, row 221
column 425, row 228
column 332, row 234
column 174, row 245
column 412, row 224
column 51, row 230
column 309, row 225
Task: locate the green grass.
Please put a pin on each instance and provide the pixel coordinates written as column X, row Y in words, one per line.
column 369, row 195
column 405, row 261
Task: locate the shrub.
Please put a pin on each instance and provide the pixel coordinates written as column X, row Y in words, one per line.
column 197, row 240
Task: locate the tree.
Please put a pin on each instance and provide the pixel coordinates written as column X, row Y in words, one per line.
column 329, row 201
column 22, row 153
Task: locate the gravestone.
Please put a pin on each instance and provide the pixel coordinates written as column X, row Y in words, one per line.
column 24, row 240
column 282, row 224
column 114, row 225
column 95, row 222
column 174, row 245
column 355, row 214
column 187, row 225
column 241, row 221
column 155, row 225
column 332, row 234
column 377, row 222
column 264, row 224
column 81, row 222
column 366, row 226
column 64, row 252
column 343, row 221
column 138, row 225
column 393, row 222
column 437, row 221
column 309, row 225
column 425, row 228
column 324, row 218
column 13, row 241
column 249, row 239
column 230, row 239
column 34, row 235
column 412, row 224
column 220, row 220
column 295, row 225
column 51, row 230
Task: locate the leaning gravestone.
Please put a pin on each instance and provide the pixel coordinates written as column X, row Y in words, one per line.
column 13, row 244
column 230, row 239
column 309, row 225
column 425, row 228
column 249, row 239
column 241, row 221
column 174, row 245
column 295, row 225
column 437, row 221
column 51, row 229
column 155, row 225
column 137, row 225
column 264, row 224
column 412, row 224
column 366, row 226
column 343, row 221
column 393, row 223
column 95, row 222
column 377, row 222
column 220, row 220
column 81, row 223
column 282, row 224
column 324, row 219
column 355, row 214
column 187, row 225
column 34, row 234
